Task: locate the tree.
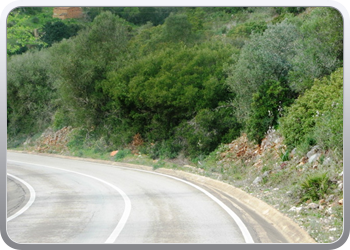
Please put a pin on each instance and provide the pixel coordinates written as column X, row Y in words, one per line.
column 177, row 27
column 31, row 94
column 58, row 30
column 267, row 107
column 312, row 113
column 20, row 36
column 265, row 57
column 88, row 57
column 159, row 91
column 319, row 51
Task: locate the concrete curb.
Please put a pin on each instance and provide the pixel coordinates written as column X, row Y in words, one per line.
column 287, row 227
column 291, row 230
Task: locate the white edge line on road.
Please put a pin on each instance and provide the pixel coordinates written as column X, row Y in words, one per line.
column 30, row 201
column 126, row 199
column 245, row 232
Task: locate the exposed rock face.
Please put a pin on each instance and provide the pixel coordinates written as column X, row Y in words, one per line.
column 242, row 149
column 54, row 140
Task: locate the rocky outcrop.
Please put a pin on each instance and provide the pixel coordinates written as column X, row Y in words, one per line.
column 54, row 141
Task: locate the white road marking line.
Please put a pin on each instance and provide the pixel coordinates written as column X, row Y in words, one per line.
column 245, row 232
column 126, row 199
column 29, row 203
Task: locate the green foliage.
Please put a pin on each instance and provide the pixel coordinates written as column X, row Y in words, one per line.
column 185, row 81
column 203, row 133
column 246, row 29
column 122, row 154
column 314, row 186
column 314, row 112
column 58, row 30
column 157, row 92
column 328, row 131
column 20, row 35
column 294, row 10
column 60, row 119
column 267, row 107
column 285, row 156
column 319, row 50
column 83, row 62
column 30, row 93
column 135, row 15
column 177, row 28
column 264, row 58
column 161, row 149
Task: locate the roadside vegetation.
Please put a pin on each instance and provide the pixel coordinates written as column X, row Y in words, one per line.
column 250, row 96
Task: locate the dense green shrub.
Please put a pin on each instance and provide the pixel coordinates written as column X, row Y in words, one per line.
column 135, row 15
column 314, row 186
column 317, row 111
column 177, row 27
column 319, row 50
column 267, row 107
column 58, row 30
column 246, row 29
column 31, row 94
column 158, row 92
column 122, row 154
column 209, row 128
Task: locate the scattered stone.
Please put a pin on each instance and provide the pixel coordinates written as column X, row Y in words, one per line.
column 329, row 211
column 289, row 193
column 312, row 206
column 266, row 173
column 316, row 149
column 296, row 209
column 330, row 198
column 313, row 157
column 257, row 180
column 340, row 202
column 341, row 174
column 327, row 161
column 340, row 186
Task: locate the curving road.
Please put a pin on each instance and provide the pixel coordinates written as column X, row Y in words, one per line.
column 58, row 200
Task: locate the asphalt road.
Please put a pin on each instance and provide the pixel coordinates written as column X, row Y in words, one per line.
column 57, row 200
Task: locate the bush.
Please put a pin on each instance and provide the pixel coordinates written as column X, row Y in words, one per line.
column 315, row 186
column 246, row 29
column 31, row 94
column 122, row 154
column 156, row 93
column 267, row 107
column 203, row 133
column 264, row 58
column 319, row 51
column 317, row 111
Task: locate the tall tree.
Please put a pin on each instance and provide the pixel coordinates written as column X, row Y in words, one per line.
column 31, row 94
column 265, row 57
column 89, row 56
